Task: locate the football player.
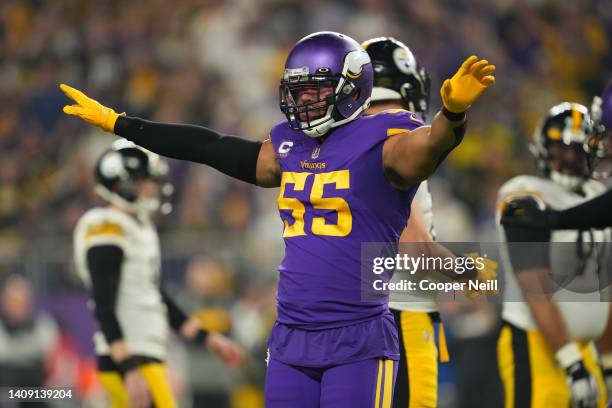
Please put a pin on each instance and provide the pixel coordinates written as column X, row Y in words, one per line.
column 342, row 182
column 591, row 214
column 117, row 254
column 594, row 213
column 546, row 351
column 400, row 82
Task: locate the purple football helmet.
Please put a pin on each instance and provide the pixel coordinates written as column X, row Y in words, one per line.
column 327, row 82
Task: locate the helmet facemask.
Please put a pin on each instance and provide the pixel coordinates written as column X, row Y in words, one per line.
column 562, row 145
column 568, row 164
column 308, row 102
column 317, row 114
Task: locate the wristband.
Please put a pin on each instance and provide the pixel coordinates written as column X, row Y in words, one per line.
column 453, row 116
column 568, row 355
column 128, row 364
column 201, row 336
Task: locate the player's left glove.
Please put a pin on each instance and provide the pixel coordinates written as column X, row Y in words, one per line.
column 473, row 77
column 487, row 273
column 582, row 384
column 528, row 212
column 90, row 110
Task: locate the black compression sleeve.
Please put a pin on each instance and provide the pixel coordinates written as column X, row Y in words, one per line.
column 595, row 213
column 176, row 316
column 231, row 155
column 527, row 247
column 104, row 264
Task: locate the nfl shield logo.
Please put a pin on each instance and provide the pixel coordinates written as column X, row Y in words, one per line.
column 315, row 153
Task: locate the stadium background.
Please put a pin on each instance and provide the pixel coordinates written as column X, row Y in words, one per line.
column 217, row 63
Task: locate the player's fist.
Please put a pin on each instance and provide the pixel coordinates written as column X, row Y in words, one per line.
column 581, row 383
column 473, row 77
column 583, row 386
column 527, row 212
column 90, row 110
column 487, row 273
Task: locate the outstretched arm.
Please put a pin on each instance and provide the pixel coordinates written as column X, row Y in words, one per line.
column 527, row 213
column 413, row 156
column 244, row 159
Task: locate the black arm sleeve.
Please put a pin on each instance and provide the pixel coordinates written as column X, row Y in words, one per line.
column 104, row 264
column 176, row 316
column 231, row 155
column 595, row 213
column 527, row 247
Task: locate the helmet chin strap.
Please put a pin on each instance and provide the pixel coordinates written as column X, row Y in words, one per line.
column 571, row 183
column 142, row 207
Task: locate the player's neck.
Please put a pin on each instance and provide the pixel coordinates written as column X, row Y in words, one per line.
column 131, row 214
column 378, row 107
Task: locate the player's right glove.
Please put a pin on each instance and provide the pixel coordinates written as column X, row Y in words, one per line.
column 528, row 212
column 482, row 275
column 90, row 110
column 582, row 385
column 469, row 82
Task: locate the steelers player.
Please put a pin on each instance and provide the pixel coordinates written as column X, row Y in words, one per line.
column 546, row 349
column 118, row 258
column 401, row 83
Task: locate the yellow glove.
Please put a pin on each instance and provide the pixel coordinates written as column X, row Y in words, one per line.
column 91, row 111
column 484, row 275
column 459, row 92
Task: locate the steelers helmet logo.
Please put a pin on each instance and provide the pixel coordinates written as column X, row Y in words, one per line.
column 404, row 60
column 111, row 165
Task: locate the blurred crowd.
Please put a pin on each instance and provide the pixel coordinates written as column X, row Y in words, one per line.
column 217, row 63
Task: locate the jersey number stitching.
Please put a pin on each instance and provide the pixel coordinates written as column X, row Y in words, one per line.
column 341, row 179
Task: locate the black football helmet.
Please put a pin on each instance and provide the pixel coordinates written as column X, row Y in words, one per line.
column 119, row 169
column 398, row 75
column 566, row 125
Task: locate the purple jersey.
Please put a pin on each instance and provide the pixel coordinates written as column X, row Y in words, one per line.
column 334, row 196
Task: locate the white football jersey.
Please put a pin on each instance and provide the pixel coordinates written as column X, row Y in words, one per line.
column 416, row 301
column 141, row 312
column 585, row 316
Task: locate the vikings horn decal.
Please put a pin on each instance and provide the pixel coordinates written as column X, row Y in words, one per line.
column 355, row 60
